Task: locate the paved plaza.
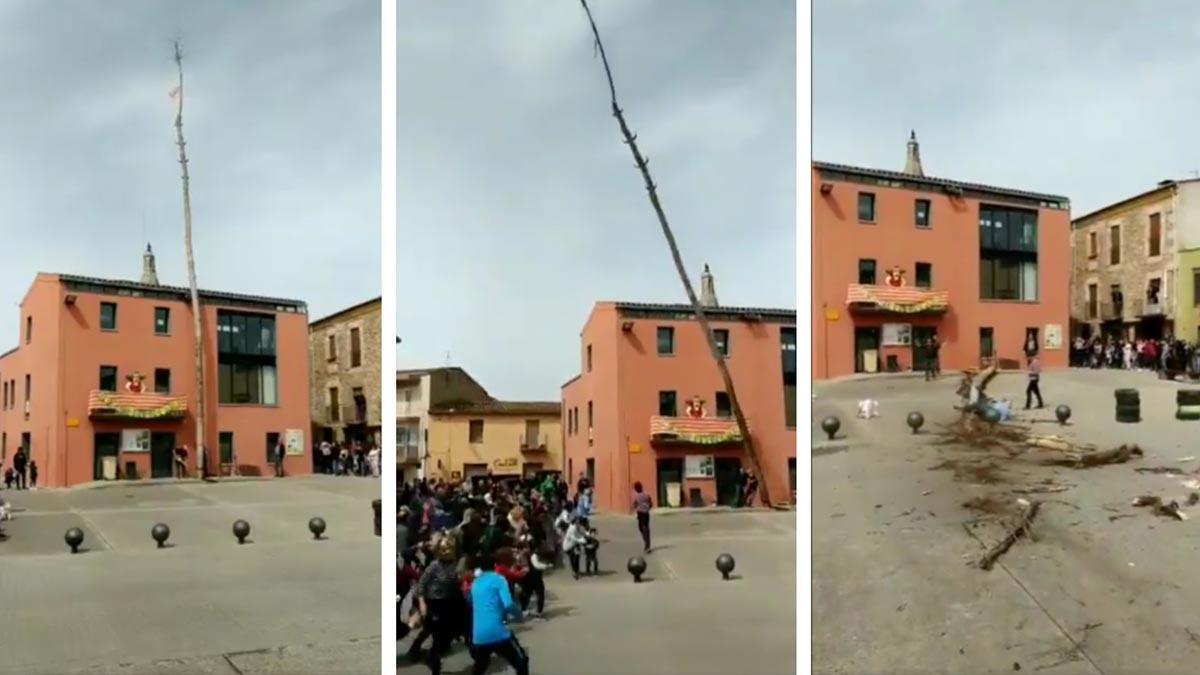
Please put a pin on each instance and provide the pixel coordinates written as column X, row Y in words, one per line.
column 282, row 603
column 684, row 618
column 1104, row 588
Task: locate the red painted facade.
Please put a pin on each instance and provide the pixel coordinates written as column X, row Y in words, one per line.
column 951, row 245
column 622, row 377
column 63, row 346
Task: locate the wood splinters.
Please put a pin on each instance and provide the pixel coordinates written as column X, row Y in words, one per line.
column 1020, row 528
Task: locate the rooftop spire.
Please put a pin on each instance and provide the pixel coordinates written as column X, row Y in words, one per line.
column 708, row 289
column 912, row 165
column 149, row 273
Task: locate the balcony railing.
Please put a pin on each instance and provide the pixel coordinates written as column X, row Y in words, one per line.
column 536, row 443
column 139, row 406
column 1111, row 310
column 408, row 453
column 692, row 430
column 354, row 414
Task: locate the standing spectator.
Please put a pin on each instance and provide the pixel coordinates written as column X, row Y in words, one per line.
column 280, row 451
column 326, row 457
column 935, row 363
column 19, row 465
column 32, row 474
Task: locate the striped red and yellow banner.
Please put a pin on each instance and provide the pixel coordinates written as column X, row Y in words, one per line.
column 701, row 431
column 146, row 406
column 899, row 299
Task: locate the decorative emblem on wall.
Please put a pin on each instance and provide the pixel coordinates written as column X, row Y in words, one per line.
column 895, row 277
column 133, row 383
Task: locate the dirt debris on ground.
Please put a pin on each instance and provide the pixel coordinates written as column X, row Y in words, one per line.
column 1161, row 508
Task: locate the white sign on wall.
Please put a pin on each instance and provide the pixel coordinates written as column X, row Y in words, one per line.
column 897, row 334
column 135, row 440
column 698, row 466
column 295, row 441
column 1053, row 336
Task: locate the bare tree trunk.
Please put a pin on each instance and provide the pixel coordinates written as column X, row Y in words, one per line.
column 197, row 323
column 643, row 166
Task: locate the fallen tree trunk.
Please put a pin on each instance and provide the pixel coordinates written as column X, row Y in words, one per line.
column 1117, row 455
column 1020, row 528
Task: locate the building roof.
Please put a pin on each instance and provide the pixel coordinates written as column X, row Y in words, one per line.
column 184, row 293
column 1162, row 185
column 346, row 310
column 494, row 407
column 742, row 312
column 410, row 373
column 938, row 182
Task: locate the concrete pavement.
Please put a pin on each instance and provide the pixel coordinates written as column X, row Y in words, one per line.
column 283, row 603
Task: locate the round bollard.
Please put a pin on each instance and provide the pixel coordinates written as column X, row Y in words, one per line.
column 915, row 420
column 316, row 525
column 725, row 564
column 160, row 532
column 992, row 416
column 636, row 567
column 831, row 425
column 1063, row 413
column 74, row 537
column 241, row 530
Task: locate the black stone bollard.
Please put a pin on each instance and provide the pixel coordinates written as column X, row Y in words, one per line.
column 831, row 425
column 1063, row 413
column 74, row 537
column 636, row 567
column 725, row 564
column 316, row 525
column 241, row 530
column 377, row 507
column 916, row 420
column 160, row 532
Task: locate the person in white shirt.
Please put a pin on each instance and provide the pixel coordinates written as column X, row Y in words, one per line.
column 573, row 542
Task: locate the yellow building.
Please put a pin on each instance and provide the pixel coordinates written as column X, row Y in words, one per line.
column 503, row 438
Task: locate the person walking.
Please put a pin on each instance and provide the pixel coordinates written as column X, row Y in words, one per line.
column 491, row 604
column 573, row 542
column 1031, row 389
column 441, row 602
column 641, row 506
column 20, row 460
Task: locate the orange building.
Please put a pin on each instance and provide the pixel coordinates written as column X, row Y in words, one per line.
column 102, row 384
column 899, row 258
column 626, row 415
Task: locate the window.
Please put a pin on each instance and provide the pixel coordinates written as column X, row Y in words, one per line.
column 108, row 316
column 1093, row 297
column 331, row 350
column 335, row 410
column 355, row 348
column 1118, row 299
column 476, row 431
column 666, row 341
column 1155, row 245
column 108, row 378
column 924, row 275
column 246, row 359
column 721, row 335
column 28, row 329
column 272, row 441
column 1114, row 245
column 162, row 321
column 591, row 471
column 589, row 358
column 866, row 207
column 225, row 440
column 922, row 213
column 666, row 404
column 987, row 342
column 866, row 271
column 787, row 353
column 589, row 419
column 1093, row 246
column 1008, row 254
column 724, row 408
column 1154, row 292
column 162, row 380
column 1196, row 286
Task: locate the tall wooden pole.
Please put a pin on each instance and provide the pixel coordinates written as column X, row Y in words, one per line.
column 651, row 189
column 197, row 323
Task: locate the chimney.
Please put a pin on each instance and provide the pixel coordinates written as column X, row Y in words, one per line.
column 149, row 274
column 708, row 290
column 912, row 165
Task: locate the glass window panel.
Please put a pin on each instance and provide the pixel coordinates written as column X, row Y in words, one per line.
column 253, row 335
column 268, row 336
column 225, row 375
column 270, row 389
column 238, row 324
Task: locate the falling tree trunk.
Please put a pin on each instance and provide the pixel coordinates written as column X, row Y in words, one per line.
column 197, row 323
column 643, row 166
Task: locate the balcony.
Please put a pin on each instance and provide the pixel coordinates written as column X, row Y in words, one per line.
column 354, row 414
column 407, row 454
column 908, row 300
column 1145, row 307
column 1112, row 311
column 537, row 443
column 141, row 406
column 694, row 431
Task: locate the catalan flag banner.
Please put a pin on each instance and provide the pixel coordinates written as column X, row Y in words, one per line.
column 899, row 299
column 141, row 406
column 699, row 431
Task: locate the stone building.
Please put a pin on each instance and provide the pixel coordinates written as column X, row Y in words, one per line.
column 346, row 371
column 1135, row 269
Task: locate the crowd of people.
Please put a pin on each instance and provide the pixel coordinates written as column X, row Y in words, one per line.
column 473, row 555
column 1167, row 356
column 346, row 458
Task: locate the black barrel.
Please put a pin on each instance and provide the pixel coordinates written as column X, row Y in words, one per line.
column 1187, row 402
column 1129, row 406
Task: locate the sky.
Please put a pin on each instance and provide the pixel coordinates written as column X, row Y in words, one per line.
column 281, row 119
column 519, row 207
column 1095, row 100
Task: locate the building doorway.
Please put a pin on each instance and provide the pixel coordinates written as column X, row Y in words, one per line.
column 162, row 454
column 866, row 349
column 105, row 445
column 475, row 471
column 531, row 469
column 921, row 337
column 728, row 474
column 670, row 482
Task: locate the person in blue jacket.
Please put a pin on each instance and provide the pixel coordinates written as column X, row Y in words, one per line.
column 491, row 603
